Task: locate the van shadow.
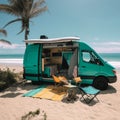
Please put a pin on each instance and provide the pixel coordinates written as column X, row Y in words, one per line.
column 10, row 95
column 22, row 88
column 110, row 90
column 17, row 90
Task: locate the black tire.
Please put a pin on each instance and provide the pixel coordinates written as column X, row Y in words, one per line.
column 100, row 83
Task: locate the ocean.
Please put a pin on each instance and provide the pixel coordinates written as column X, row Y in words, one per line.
column 11, row 59
column 112, row 58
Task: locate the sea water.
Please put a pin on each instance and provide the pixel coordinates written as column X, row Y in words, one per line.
column 112, row 58
column 11, row 59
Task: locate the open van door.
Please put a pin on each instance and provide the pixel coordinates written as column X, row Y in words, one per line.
column 32, row 62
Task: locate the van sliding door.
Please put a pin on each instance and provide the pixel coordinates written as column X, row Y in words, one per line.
column 32, row 62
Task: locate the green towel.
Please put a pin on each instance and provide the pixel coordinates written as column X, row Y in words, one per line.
column 34, row 91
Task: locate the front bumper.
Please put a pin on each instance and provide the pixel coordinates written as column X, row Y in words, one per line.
column 112, row 79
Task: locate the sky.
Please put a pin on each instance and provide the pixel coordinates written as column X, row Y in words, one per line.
column 96, row 22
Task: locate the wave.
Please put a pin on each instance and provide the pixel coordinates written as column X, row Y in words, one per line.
column 116, row 64
column 11, row 61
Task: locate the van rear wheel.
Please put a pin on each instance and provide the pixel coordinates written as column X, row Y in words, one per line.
column 100, row 83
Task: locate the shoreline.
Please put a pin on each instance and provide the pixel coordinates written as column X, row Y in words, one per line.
column 17, row 68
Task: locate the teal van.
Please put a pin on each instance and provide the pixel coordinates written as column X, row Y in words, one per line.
column 69, row 57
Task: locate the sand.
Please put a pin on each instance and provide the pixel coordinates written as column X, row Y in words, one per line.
column 13, row 106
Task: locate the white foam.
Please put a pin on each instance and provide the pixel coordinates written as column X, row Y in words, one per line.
column 116, row 64
column 12, row 61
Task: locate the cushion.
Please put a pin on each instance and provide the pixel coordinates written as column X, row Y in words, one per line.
column 56, row 79
column 77, row 79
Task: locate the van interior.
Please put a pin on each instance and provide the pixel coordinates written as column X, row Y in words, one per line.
column 59, row 59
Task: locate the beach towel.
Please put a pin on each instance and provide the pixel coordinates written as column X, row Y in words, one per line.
column 47, row 92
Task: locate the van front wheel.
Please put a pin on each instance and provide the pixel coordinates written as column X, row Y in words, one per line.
column 100, row 83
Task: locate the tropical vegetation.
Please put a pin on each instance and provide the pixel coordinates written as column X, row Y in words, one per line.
column 33, row 114
column 24, row 10
column 2, row 31
column 7, row 78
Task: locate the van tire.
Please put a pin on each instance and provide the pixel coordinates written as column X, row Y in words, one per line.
column 100, row 83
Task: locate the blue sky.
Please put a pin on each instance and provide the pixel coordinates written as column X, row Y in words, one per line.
column 96, row 22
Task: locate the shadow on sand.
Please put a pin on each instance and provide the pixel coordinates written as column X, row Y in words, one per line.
column 110, row 90
column 17, row 89
column 21, row 88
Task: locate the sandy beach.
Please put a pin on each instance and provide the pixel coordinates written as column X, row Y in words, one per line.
column 13, row 105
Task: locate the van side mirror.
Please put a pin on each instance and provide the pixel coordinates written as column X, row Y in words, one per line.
column 98, row 61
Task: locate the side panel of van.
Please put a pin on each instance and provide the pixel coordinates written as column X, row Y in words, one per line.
column 32, row 62
column 93, row 69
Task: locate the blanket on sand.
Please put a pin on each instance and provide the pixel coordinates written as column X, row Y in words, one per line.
column 47, row 92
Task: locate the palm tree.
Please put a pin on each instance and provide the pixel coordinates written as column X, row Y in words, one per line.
column 2, row 31
column 24, row 10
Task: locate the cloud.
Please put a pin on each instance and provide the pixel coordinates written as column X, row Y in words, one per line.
column 12, row 49
column 13, row 46
column 106, row 43
column 107, row 47
column 96, row 39
column 114, row 43
column 98, row 46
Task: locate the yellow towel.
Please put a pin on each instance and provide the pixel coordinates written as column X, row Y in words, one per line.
column 51, row 94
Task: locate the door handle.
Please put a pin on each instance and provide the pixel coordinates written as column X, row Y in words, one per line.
column 34, row 65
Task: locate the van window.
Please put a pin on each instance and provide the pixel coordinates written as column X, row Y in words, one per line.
column 86, row 56
column 90, row 57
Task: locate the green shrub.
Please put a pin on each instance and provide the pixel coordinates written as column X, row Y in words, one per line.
column 7, row 78
column 33, row 114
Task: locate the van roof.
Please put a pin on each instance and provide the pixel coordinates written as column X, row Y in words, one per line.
column 53, row 40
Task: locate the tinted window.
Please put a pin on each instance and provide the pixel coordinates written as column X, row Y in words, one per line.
column 90, row 57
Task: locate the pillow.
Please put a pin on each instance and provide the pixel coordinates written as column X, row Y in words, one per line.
column 56, row 79
column 77, row 79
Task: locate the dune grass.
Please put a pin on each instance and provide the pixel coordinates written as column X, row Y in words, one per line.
column 33, row 114
column 7, row 78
